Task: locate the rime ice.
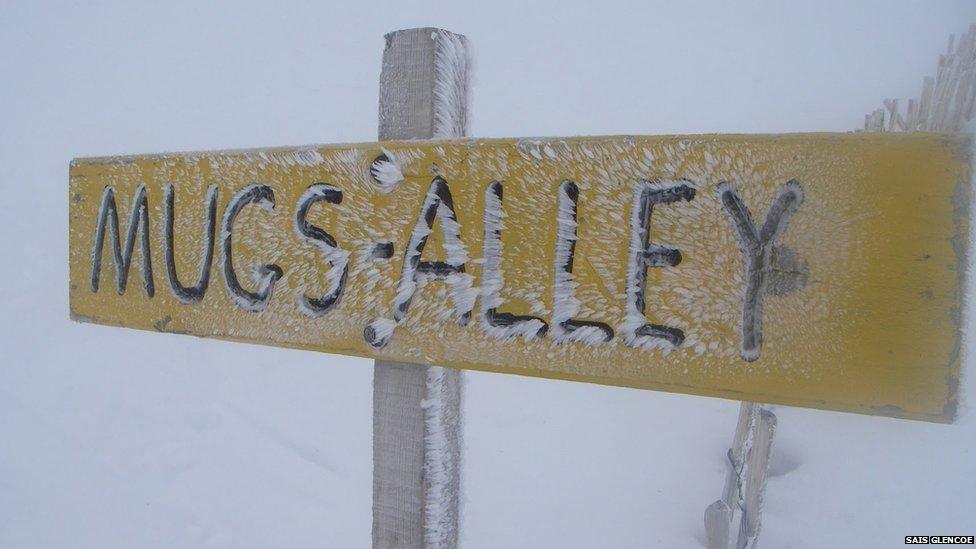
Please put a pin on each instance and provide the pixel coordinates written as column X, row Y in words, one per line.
column 641, row 261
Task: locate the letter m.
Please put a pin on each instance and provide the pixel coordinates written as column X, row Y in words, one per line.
column 108, row 213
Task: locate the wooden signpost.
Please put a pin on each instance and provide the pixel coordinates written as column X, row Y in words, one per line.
column 817, row 270
column 417, row 408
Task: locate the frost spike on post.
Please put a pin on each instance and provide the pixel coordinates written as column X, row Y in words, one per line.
column 417, row 409
column 947, row 100
column 912, row 115
column 925, row 103
column 895, row 121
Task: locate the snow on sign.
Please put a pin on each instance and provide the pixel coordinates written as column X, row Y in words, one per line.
column 819, row 270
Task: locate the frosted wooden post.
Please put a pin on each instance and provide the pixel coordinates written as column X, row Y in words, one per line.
column 745, row 482
column 754, row 485
column 417, row 409
column 719, row 515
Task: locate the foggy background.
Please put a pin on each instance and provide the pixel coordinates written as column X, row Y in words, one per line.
column 117, row 438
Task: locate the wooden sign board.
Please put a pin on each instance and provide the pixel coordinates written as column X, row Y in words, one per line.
column 818, row 270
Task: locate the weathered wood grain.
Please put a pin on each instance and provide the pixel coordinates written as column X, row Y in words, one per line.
column 851, row 301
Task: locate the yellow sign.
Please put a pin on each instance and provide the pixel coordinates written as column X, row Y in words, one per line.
column 818, row 270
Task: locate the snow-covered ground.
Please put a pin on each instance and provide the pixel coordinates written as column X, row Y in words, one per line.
column 112, row 438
